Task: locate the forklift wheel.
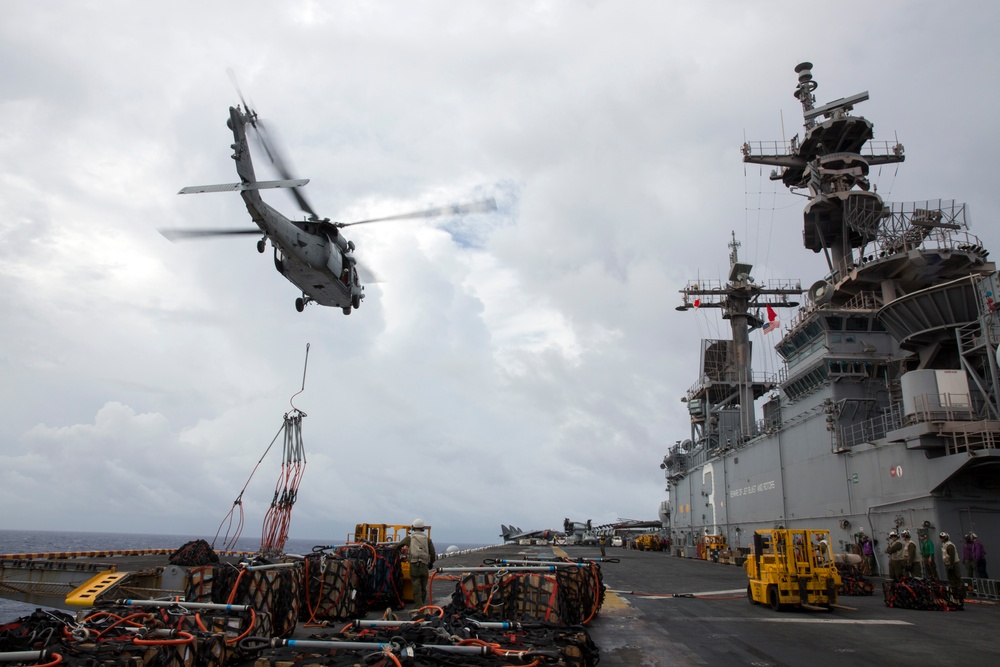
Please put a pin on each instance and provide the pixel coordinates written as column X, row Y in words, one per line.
column 750, row 594
column 772, row 598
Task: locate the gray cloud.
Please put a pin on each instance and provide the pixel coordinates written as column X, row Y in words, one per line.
column 521, row 367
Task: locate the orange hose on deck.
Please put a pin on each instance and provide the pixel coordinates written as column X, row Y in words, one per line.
column 56, row 659
column 183, row 638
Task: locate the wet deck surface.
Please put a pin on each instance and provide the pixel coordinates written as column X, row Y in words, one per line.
column 641, row 625
column 723, row 628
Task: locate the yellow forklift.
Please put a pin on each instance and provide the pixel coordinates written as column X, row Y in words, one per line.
column 792, row 568
column 385, row 534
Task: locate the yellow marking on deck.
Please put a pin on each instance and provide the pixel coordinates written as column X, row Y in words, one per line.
column 56, row 555
column 87, row 593
column 612, row 601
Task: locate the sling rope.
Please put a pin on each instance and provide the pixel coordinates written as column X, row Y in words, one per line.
column 274, row 533
column 279, row 516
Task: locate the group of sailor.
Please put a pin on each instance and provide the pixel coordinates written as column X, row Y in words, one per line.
column 905, row 559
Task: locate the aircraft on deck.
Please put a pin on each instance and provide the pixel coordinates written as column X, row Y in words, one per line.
column 514, row 534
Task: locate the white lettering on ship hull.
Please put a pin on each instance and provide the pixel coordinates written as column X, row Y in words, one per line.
column 753, row 488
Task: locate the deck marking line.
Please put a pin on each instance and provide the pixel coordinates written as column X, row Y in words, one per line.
column 662, row 596
column 820, row 621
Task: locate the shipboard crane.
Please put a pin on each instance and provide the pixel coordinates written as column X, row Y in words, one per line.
column 726, row 372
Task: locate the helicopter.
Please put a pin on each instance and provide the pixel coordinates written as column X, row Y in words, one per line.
column 311, row 253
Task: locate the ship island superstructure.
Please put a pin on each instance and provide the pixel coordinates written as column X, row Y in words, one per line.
column 886, row 413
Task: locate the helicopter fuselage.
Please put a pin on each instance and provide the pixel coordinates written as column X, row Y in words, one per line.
column 311, row 254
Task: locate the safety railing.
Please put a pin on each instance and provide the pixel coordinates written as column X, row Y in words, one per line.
column 985, row 589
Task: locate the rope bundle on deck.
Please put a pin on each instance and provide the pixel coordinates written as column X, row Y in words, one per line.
column 916, row 593
column 852, row 582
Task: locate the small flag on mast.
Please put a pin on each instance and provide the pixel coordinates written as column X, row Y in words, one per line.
column 772, row 320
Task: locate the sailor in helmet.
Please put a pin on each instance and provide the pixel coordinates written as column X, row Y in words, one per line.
column 421, row 557
column 911, row 555
column 950, row 558
column 896, row 556
column 974, row 557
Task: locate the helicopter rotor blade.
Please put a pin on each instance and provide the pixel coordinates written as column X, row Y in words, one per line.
column 281, row 165
column 484, row 206
column 236, row 85
column 273, row 154
column 185, row 234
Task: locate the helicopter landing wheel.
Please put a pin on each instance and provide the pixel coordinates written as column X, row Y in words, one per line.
column 356, row 301
column 347, row 310
column 300, row 304
column 261, row 246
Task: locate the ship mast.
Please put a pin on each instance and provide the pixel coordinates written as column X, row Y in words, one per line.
column 721, row 404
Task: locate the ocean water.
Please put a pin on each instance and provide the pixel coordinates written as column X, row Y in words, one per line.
column 35, row 541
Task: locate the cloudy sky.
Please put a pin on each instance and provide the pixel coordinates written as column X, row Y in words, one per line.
column 519, row 367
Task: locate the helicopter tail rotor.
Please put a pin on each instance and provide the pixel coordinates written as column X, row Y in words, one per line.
column 270, row 147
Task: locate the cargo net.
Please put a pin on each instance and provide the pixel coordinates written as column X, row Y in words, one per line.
column 853, row 582
column 383, row 586
column 132, row 636
column 447, row 639
column 334, row 588
column 273, row 594
column 569, row 595
column 915, row 593
column 324, row 587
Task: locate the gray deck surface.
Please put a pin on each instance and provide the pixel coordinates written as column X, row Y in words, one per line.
column 725, row 629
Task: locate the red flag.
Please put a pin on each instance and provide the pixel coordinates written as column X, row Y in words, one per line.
column 772, row 320
column 697, row 303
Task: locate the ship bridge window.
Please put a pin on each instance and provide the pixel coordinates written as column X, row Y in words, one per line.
column 857, row 323
column 848, row 367
column 835, row 323
column 835, row 338
column 808, row 383
column 806, row 335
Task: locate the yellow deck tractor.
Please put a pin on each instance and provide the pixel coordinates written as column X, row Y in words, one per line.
column 389, row 533
column 712, row 546
column 648, row 542
column 792, row 568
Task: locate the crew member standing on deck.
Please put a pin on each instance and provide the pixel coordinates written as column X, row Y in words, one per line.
column 979, row 557
column 927, row 557
column 949, row 556
column 911, row 555
column 970, row 566
column 421, row 557
column 896, row 555
column 868, row 551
